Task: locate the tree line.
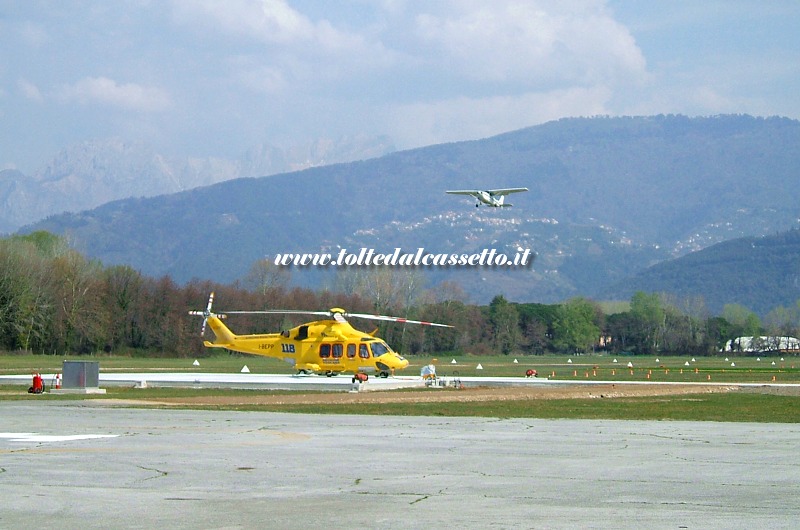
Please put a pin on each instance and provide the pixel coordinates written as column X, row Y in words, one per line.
column 55, row 301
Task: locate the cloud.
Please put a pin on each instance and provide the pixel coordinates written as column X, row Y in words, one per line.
column 266, row 21
column 254, row 38
column 288, row 71
column 694, row 100
column 512, row 64
column 543, row 44
column 465, row 118
column 106, row 91
column 29, row 90
column 32, row 34
column 427, row 72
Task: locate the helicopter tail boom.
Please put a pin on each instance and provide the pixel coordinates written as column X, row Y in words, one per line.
column 223, row 335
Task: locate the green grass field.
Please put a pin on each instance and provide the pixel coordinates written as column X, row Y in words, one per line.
column 722, row 368
column 734, row 406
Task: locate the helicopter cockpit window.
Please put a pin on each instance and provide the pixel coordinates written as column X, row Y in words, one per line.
column 338, row 349
column 324, row 351
column 302, row 333
column 285, row 333
column 378, row 349
column 363, row 351
column 351, row 351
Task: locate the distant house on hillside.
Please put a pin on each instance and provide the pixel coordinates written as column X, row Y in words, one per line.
column 762, row 344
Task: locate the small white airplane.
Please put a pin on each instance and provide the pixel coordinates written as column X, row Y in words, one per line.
column 493, row 198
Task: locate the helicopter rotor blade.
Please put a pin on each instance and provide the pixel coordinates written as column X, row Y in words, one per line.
column 208, row 313
column 396, row 319
column 210, row 302
column 338, row 315
column 280, row 312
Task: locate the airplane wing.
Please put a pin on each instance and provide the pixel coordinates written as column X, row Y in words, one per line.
column 505, row 191
column 463, row 192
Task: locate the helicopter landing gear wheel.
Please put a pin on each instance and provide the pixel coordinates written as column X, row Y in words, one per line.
column 383, row 375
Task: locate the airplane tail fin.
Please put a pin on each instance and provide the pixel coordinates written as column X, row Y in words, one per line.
column 501, row 202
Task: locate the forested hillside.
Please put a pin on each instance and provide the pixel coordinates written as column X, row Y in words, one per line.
column 761, row 273
column 54, row 301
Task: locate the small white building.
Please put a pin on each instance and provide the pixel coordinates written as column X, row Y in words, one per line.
column 759, row 344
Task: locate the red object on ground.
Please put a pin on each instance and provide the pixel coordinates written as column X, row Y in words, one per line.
column 38, row 384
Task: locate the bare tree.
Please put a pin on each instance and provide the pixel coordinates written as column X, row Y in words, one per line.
column 265, row 277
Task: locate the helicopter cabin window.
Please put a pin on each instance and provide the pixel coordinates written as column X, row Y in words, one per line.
column 324, row 351
column 363, row 351
column 378, row 349
column 302, row 333
column 338, row 350
column 351, row 351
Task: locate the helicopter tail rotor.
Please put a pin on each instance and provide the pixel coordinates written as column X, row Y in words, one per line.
column 206, row 314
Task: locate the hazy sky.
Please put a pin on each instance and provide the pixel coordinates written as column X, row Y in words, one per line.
column 214, row 78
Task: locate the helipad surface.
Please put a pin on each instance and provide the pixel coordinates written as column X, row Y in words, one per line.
column 91, row 464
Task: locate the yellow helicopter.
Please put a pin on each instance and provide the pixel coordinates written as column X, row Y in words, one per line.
column 330, row 346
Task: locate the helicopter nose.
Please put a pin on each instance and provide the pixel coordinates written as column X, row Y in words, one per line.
column 391, row 362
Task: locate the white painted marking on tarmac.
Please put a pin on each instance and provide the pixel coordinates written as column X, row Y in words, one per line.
column 48, row 438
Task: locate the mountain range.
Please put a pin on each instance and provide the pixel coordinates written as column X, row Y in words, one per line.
column 96, row 172
column 609, row 197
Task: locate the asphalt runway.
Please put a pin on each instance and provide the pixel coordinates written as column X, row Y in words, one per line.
column 91, row 464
